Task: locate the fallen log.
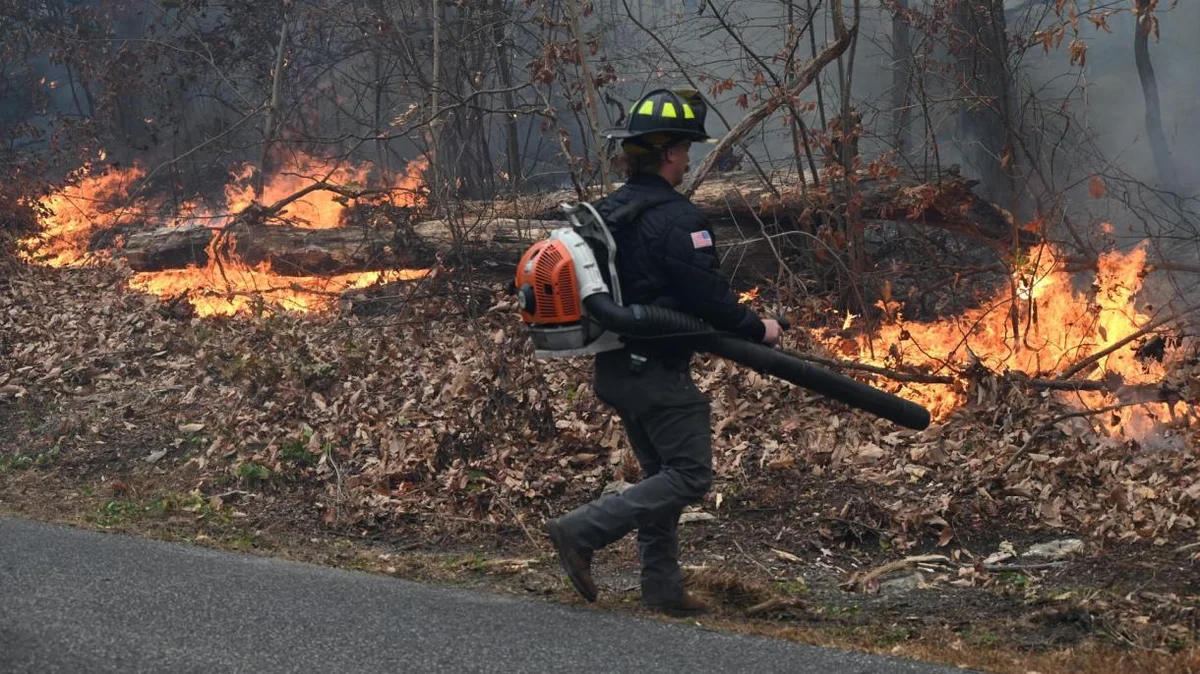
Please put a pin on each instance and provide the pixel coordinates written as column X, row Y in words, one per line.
column 736, row 203
column 739, row 206
column 298, row 251
column 483, row 239
column 157, row 249
column 740, row 199
column 293, row 251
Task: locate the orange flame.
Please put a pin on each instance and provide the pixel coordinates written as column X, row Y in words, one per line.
column 1055, row 327
column 238, row 290
column 320, row 209
column 226, row 286
column 76, row 213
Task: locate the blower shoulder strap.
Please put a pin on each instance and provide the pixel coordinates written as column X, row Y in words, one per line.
column 634, row 209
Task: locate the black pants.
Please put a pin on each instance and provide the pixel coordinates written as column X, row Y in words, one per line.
column 667, row 420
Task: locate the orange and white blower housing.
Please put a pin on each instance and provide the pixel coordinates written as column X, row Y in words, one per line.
column 557, row 276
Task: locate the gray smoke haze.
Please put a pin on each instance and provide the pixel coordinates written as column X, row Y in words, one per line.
column 652, row 43
column 1105, row 95
column 1079, row 120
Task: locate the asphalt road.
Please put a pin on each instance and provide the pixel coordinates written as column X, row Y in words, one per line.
column 81, row 602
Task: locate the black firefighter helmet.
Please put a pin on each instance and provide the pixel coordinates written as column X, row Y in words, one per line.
column 664, row 116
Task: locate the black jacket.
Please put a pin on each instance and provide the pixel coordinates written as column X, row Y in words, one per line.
column 667, row 257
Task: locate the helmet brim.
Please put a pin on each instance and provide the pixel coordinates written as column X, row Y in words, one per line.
column 682, row 135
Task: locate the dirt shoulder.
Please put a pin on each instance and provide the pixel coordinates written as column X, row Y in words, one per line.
column 778, row 571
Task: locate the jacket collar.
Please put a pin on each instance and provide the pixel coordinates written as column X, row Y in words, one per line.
column 649, row 180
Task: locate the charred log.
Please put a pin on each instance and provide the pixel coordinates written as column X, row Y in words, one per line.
column 741, row 199
column 297, row 251
column 739, row 206
column 293, row 251
column 156, row 249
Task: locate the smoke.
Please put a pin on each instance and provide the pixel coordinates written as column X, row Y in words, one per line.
column 1107, row 99
column 648, row 45
column 1104, row 97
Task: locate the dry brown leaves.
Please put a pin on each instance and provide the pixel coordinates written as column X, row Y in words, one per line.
column 446, row 415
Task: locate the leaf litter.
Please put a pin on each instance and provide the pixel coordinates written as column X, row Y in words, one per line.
column 431, row 417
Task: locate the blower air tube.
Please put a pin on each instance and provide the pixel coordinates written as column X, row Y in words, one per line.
column 650, row 321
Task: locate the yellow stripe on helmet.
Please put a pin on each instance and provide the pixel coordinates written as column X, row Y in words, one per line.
column 647, row 108
column 668, row 110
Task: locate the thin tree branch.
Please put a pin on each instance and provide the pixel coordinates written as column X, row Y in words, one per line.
column 1090, row 360
column 845, row 36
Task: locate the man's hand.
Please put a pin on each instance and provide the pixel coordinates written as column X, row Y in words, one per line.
column 773, row 331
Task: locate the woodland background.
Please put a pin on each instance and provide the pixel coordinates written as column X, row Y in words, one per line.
column 254, row 262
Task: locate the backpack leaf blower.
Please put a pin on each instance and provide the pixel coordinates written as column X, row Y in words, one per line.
column 563, row 293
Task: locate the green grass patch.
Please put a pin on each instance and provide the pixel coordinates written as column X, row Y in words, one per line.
column 15, row 462
column 253, row 473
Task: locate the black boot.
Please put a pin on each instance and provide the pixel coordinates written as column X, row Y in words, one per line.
column 576, row 561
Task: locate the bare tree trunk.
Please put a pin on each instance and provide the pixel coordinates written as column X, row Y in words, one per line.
column 272, row 112
column 511, row 130
column 846, row 143
column 589, row 88
column 435, row 88
column 796, row 121
column 979, row 43
column 1154, row 131
column 812, row 41
column 380, row 143
column 848, row 122
column 902, row 56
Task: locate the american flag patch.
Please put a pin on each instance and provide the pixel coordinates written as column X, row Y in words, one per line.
column 701, row 239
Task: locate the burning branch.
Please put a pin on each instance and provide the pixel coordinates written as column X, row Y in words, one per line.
column 1079, row 367
column 1015, row 377
column 911, row 377
column 220, row 250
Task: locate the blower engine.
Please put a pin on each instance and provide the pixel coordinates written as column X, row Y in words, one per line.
column 558, row 276
column 563, row 292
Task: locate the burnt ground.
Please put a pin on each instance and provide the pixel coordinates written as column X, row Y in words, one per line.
column 769, row 564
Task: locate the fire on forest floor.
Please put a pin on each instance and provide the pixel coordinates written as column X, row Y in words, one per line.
column 109, row 198
column 1041, row 326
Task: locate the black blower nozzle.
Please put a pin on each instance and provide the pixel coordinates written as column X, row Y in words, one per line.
column 650, row 321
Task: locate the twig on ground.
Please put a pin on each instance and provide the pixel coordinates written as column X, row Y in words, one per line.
column 869, row 582
column 232, row 492
column 517, row 518
column 882, row 371
column 1023, row 567
column 752, row 559
column 772, row 604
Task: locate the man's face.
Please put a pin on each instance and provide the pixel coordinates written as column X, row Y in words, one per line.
column 675, row 162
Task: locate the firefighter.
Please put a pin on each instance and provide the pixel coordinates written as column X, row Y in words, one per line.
column 666, row 256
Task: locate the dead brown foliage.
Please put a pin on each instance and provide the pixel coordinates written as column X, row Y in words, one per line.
column 437, row 414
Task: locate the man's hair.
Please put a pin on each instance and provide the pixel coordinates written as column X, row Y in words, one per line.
column 647, row 155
